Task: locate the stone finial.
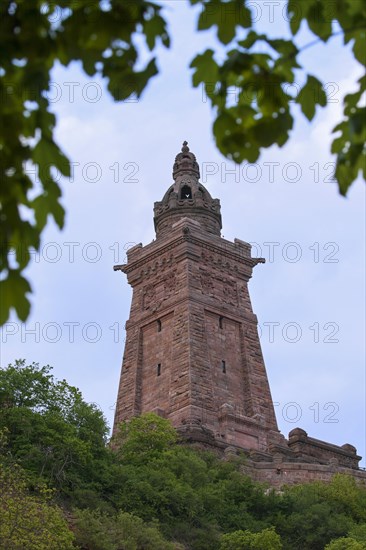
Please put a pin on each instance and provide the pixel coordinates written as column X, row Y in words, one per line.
column 185, row 148
column 186, row 163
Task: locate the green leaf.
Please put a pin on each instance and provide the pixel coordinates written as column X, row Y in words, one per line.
column 310, row 95
column 344, row 176
column 295, row 13
column 13, row 291
column 47, row 154
column 251, row 39
column 356, row 8
column 337, row 145
column 58, row 213
column 233, row 139
column 41, row 211
column 319, row 22
column 284, row 47
column 206, row 69
column 351, row 100
column 359, row 48
column 285, row 68
column 142, row 77
column 226, row 16
column 223, row 125
column 357, row 122
column 349, row 148
column 46, row 205
column 238, row 62
column 124, row 83
column 154, row 28
column 268, row 131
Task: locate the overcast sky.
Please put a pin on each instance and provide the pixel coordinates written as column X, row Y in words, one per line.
column 308, row 296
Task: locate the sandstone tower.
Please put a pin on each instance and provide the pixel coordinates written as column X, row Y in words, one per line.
column 192, row 351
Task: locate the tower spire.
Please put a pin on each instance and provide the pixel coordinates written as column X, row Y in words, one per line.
column 185, row 163
column 187, row 198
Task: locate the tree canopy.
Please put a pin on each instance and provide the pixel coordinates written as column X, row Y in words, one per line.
column 107, row 37
column 267, row 539
column 52, row 431
column 146, row 491
column 29, row 521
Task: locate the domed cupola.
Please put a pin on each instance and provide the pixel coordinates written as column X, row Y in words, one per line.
column 187, row 197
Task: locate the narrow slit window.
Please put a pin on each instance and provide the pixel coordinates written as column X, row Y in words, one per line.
column 221, row 322
column 158, row 322
column 158, row 370
column 223, row 366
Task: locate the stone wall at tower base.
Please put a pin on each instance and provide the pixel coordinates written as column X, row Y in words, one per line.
column 291, row 473
column 300, row 459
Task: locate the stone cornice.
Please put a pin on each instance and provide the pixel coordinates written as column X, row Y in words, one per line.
column 145, row 256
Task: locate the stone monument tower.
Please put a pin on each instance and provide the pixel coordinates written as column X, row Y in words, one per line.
column 192, row 350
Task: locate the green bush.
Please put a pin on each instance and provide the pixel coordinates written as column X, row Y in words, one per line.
column 267, row 539
column 125, row 531
column 29, row 522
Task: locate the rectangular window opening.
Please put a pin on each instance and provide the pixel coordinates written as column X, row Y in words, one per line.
column 221, row 322
column 223, row 366
column 159, row 325
column 158, row 370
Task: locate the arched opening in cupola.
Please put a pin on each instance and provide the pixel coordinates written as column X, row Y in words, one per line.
column 186, row 192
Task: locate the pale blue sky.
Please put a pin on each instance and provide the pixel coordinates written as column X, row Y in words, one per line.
column 140, row 139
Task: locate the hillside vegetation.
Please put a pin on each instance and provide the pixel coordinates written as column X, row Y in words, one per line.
column 63, row 486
